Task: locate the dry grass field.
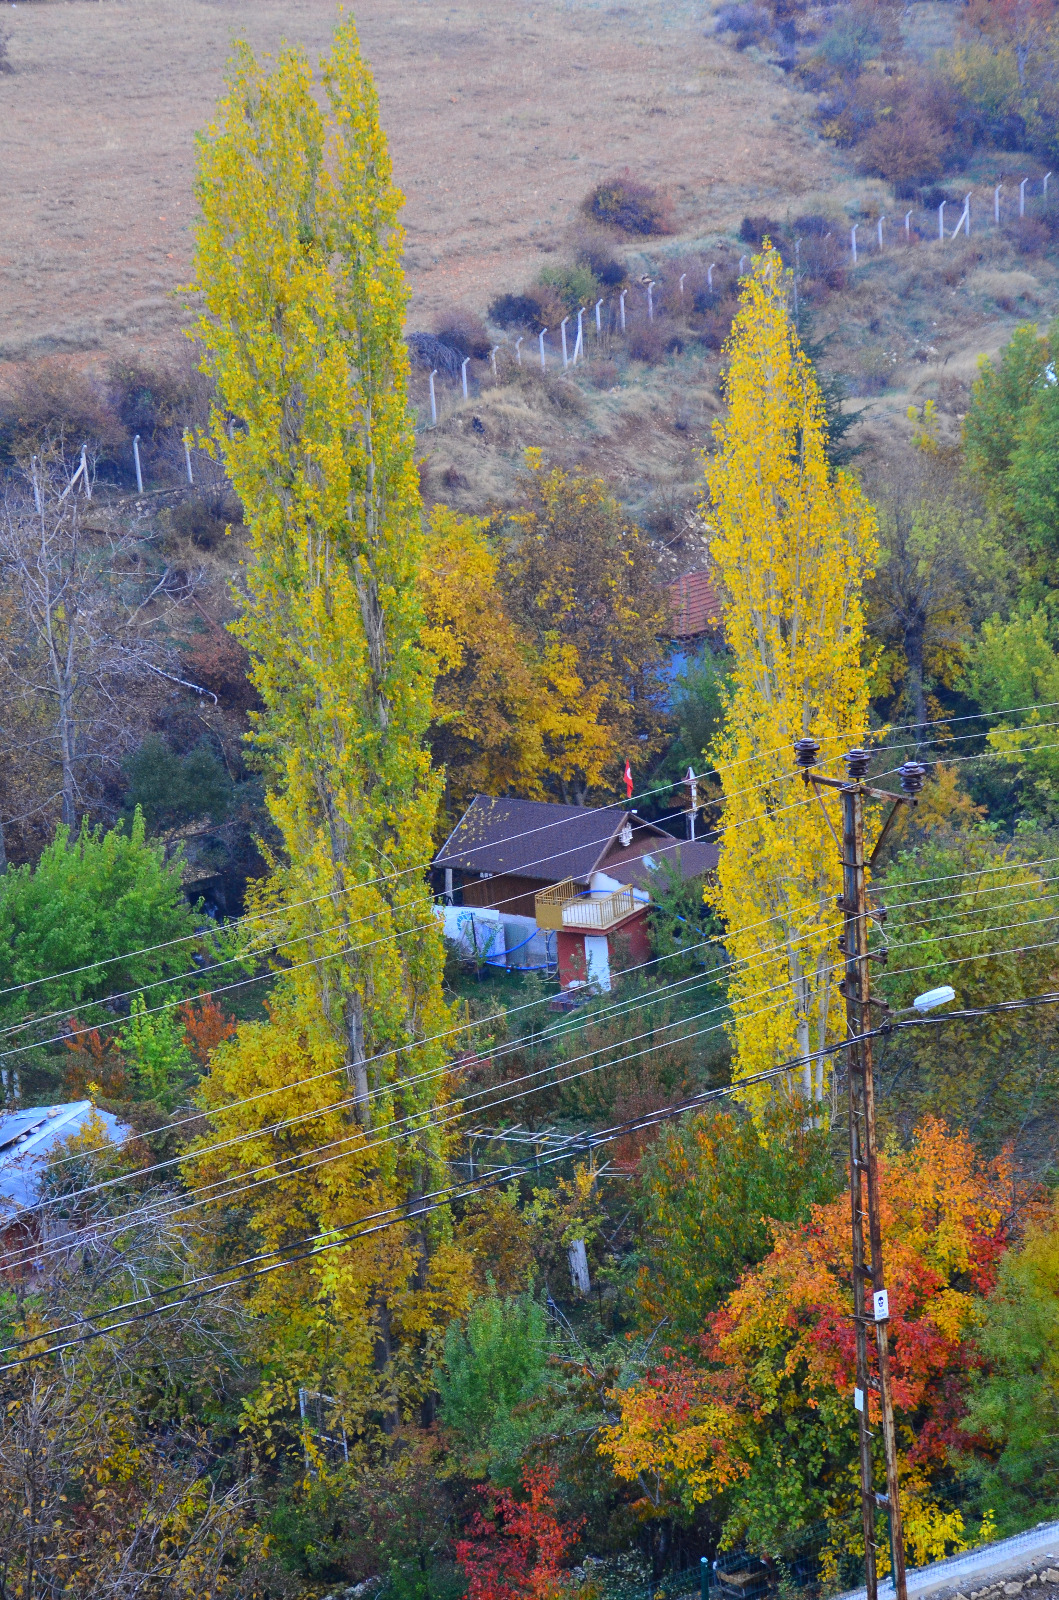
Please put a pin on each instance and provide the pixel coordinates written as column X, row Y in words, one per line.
column 500, row 116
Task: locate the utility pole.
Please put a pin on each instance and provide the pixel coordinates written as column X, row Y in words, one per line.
column 871, row 1307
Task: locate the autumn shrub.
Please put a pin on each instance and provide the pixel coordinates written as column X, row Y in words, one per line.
column 602, row 374
column 463, row 332
column 53, row 400
column 575, row 286
column 199, row 519
column 1029, row 235
column 593, row 250
column 426, row 350
column 516, row 1548
column 633, row 207
column 752, row 230
column 905, row 149
column 517, row 310
column 646, row 341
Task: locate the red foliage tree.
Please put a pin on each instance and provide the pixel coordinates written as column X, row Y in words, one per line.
column 516, row 1547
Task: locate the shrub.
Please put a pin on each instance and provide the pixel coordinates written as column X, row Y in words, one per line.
column 752, row 230
column 203, row 520
column 54, row 400
column 172, row 790
column 575, row 286
column 647, row 342
column 516, row 310
column 905, row 148
column 752, row 22
column 1029, row 235
column 595, row 253
column 633, row 207
column 851, row 40
column 425, row 350
column 463, row 332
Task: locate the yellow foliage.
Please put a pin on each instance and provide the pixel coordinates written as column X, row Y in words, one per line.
column 299, row 266
column 792, row 547
column 507, row 716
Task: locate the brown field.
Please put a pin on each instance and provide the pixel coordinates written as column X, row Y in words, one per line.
column 500, row 116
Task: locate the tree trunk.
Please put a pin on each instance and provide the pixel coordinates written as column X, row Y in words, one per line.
column 356, row 1065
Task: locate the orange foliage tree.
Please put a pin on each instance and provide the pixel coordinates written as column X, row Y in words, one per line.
column 761, row 1418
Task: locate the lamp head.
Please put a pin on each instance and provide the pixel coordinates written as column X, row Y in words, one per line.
column 934, row 998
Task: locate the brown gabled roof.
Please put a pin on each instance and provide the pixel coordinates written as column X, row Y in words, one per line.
column 696, row 608
column 533, row 838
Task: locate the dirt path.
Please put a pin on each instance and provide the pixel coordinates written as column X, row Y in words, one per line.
column 500, row 117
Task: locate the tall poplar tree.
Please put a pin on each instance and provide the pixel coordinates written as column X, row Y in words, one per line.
column 299, row 267
column 793, row 543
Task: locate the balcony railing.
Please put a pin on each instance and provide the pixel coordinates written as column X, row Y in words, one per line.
column 561, row 906
column 548, row 904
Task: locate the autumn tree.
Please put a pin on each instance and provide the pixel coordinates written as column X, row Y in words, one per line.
column 516, row 1548
column 761, row 1418
column 85, row 605
column 511, row 714
column 299, row 266
column 793, row 544
column 581, row 580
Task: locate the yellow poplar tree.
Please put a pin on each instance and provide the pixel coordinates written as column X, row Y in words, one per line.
column 792, row 544
column 299, row 268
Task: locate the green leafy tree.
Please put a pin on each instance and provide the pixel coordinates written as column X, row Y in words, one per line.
column 1003, row 391
column 1014, row 1403
column 172, row 789
column 157, row 1052
column 713, row 1185
column 99, row 915
column 494, row 1363
column 970, row 911
column 1014, row 667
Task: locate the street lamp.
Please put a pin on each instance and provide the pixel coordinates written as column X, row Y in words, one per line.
column 933, row 998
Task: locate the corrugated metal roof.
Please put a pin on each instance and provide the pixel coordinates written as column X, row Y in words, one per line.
column 696, row 608
column 28, row 1138
column 531, row 838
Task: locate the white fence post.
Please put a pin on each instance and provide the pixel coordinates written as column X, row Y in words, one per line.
column 540, row 341
column 650, row 302
column 853, row 242
column 709, row 274
column 599, row 326
column 579, row 343
column 908, row 227
column 463, row 377
column 136, row 460
column 187, row 455
column 84, row 472
column 941, row 220
column 621, row 307
column 433, row 400
column 518, row 348
column 492, row 357
column 996, row 204
column 881, row 221
column 562, row 335
column 1022, row 197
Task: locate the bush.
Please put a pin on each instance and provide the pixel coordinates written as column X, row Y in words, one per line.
column 205, row 519
column 574, row 286
column 752, row 230
column 751, row 22
column 632, row 207
column 647, row 342
column 463, row 332
column 52, row 400
column 1030, row 236
column 904, row 148
column 172, row 790
column 425, row 350
column 595, row 253
column 516, row 311
column 852, row 39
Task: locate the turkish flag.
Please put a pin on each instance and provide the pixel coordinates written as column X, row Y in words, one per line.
column 627, row 775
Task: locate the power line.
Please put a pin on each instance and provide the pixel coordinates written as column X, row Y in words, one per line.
column 578, row 1144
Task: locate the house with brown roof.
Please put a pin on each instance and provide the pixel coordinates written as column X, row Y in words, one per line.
column 695, row 607
column 578, row 875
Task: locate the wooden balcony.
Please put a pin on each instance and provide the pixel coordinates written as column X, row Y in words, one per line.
column 560, row 906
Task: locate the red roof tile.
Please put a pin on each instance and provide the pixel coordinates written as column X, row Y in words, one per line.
column 696, row 608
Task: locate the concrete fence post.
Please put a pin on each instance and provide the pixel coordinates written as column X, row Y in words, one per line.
column 136, row 462
column 433, row 400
